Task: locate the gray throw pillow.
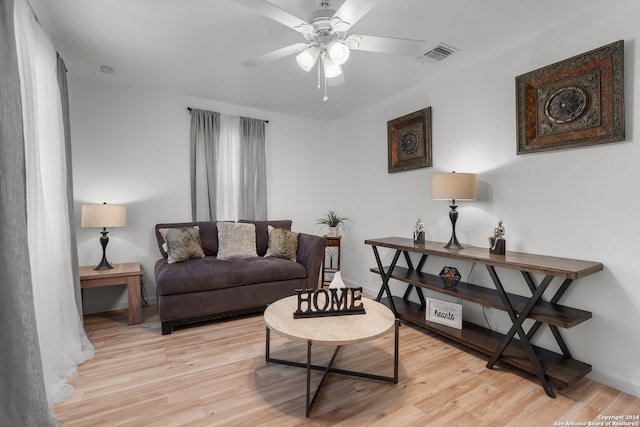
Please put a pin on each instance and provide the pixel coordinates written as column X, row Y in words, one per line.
column 236, row 240
column 282, row 244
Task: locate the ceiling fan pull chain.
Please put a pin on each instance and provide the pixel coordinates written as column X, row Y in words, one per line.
column 318, row 75
column 325, row 89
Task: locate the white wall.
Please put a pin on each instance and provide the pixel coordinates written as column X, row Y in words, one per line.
column 131, row 147
column 578, row 203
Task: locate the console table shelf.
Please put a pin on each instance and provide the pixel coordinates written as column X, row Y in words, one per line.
column 559, row 368
column 552, row 314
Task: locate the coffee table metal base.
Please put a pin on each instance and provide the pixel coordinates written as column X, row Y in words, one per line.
column 310, row 401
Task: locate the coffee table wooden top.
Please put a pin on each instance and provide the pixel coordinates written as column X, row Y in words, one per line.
column 331, row 330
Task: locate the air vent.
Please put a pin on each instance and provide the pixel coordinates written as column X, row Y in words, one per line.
column 437, row 54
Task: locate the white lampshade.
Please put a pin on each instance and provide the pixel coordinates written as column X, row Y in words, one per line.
column 104, row 216
column 307, row 58
column 454, row 186
column 338, row 52
column 331, row 69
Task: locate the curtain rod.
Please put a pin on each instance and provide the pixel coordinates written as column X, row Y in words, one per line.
column 189, row 109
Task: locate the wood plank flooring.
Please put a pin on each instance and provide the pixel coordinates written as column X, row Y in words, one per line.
column 215, row 375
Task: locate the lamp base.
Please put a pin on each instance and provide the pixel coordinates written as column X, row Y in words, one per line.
column 453, row 216
column 104, row 265
column 104, row 240
column 453, row 244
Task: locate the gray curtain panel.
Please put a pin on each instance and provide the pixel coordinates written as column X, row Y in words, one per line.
column 24, row 401
column 64, row 96
column 253, row 173
column 204, row 139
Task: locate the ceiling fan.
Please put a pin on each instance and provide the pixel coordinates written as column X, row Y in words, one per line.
column 328, row 42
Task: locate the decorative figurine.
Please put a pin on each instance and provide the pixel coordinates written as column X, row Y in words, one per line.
column 497, row 241
column 418, row 233
column 450, row 276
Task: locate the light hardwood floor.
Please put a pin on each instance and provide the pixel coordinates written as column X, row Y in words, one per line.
column 215, row 375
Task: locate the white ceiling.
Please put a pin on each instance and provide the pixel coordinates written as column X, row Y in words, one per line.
column 195, row 47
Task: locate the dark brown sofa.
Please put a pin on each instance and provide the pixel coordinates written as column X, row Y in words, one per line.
column 207, row 288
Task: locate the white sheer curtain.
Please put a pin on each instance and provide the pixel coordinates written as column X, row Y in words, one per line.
column 63, row 342
column 228, row 171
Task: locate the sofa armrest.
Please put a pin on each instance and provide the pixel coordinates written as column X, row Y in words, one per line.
column 311, row 254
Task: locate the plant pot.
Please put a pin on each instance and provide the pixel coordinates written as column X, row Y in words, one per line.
column 333, row 232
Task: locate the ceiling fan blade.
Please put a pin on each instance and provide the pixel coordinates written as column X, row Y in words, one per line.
column 336, row 81
column 276, row 54
column 404, row 47
column 272, row 11
column 350, row 12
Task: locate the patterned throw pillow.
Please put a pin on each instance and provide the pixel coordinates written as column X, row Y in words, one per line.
column 183, row 244
column 236, row 240
column 282, row 243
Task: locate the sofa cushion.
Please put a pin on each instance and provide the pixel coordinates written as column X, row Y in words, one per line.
column 208, row 235
column 282, row 243
column 210, row 273
column 236, row 240
column 262, row 232
column 182, row 243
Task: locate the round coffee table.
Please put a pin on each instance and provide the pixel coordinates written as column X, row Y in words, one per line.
column 330, row 330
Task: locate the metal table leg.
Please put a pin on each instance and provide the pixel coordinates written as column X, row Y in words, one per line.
column 310, row 401
column 517, row 327
column 411, row 287
column 385, row 278
column 556, row 297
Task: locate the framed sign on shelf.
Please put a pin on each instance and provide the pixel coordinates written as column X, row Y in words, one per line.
column 572, row 103
column 444, row 312
column 409, row 141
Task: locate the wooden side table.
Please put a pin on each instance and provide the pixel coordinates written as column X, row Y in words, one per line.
column 121, row 274
column 332, row 242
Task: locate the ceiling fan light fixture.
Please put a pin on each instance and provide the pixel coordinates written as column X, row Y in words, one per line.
column 331, row 69
column 307, row 58
column 338, row 52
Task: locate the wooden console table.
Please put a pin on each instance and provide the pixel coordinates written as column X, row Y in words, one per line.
column 560, row 369
column 121, row 274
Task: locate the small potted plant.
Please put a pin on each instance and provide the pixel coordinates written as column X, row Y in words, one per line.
column 333, row 221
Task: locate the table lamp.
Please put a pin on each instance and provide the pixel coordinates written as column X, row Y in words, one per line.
column 453, row 186
column 104, row 216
